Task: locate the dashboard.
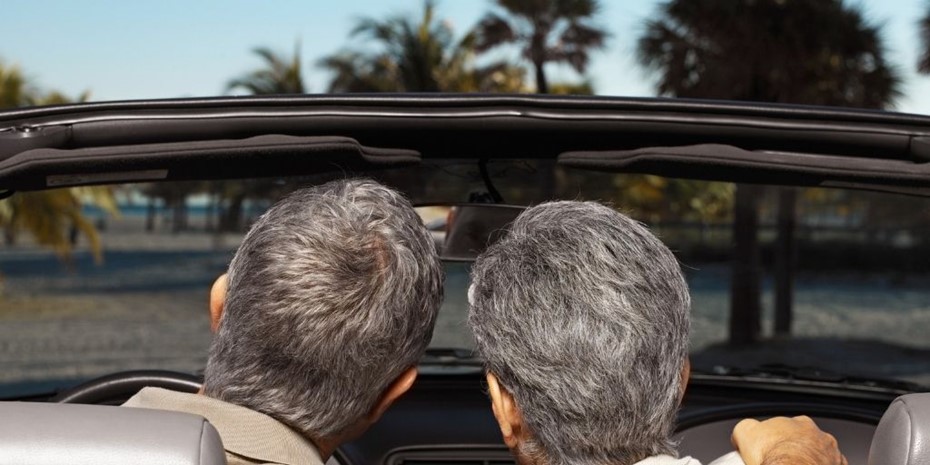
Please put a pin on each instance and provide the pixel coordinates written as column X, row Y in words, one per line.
column 447, row 419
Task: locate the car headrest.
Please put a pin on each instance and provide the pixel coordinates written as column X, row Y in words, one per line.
column 903, row 434
column 52, row 434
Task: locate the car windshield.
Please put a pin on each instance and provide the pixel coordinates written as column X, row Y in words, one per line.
column 103, row 279
column 857, row 289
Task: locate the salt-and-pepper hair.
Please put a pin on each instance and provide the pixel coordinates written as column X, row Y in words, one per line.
column 333, row 294
column 583, row 315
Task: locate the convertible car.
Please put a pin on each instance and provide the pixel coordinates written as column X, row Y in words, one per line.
column 804, row 233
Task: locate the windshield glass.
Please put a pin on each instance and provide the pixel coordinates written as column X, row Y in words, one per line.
column 853, row 295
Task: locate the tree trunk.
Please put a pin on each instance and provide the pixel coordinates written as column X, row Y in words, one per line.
column 745, row 303
column 179, row 214
column 150, row 215
column 184, row 215
column 176, row 215
column 208, row 214
column 542, row 86
column 232, row 219
column 785, row 260
column 72, row 234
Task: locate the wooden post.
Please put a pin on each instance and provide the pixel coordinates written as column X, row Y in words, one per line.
column 745, row 304
column 785, row 260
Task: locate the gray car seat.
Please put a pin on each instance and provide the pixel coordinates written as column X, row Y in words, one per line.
column 53, row 434
column 903, row 435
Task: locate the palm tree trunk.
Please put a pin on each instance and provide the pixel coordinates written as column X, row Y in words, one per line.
column 208, row 215
column 745, row 304
column 785, row 260
column 177, row 224
column 150, row 215
column 542, row 86
column 232, row 220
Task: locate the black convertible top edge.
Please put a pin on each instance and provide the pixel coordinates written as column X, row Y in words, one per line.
column 456, row 126
column 402, row 101
column 137, row 140
column 728, row 163
column 255, row 157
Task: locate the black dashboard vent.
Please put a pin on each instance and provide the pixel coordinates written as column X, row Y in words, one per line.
column 450, row 455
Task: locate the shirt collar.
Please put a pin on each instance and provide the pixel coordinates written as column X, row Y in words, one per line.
column 244, row 432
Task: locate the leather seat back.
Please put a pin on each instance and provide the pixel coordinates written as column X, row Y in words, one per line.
column 53, row 434
column 903, row 435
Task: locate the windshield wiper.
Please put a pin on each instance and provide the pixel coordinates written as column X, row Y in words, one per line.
column 451, row 357
column 812, row 374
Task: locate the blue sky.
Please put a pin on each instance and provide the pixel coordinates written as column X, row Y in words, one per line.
column 121, row 49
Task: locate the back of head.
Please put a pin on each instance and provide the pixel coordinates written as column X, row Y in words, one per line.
column 332, row 294
column 583, row 316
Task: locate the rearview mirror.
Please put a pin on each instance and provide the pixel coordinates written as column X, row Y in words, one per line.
column 463, row 231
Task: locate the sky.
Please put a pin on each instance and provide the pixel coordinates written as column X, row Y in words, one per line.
column 122, row 49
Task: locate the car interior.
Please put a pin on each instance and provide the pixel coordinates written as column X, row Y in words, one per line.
column 43, row 433
column 446, row 417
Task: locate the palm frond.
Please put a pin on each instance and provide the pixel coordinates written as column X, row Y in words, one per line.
column 15, row 88
column 547, row 31
column 417, row 54
column 278, row 76
column 573, row 9
column 493, row 31
column 821, row 52
column 923, row 63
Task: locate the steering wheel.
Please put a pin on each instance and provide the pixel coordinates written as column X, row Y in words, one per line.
column 704, row 433
column 118, row 387
column 697, row 417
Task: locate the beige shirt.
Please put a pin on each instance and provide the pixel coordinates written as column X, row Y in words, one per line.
column 249, row 437
column 730, row 459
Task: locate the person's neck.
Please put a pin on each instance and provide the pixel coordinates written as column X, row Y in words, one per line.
column 326, row 447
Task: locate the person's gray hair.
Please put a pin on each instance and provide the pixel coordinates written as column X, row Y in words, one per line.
column 583, row 316
column 332, row 295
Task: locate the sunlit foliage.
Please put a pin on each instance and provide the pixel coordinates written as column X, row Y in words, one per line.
column 546, row 31
column 52, row 218
column 417, row 55
column 279, row 75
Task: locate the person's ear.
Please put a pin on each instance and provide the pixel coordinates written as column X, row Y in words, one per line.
column 397, row 388
column 217, row 302
column 685, row 377
column 506, row 412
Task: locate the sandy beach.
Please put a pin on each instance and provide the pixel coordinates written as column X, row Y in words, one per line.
column 146, row 307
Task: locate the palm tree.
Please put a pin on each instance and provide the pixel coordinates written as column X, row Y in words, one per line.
column 547, row 31
column 812, row 52
column 57, row 98
column 54, row 217
column 15, row 89
column 279, row 75
column 51, row 216
column 417, row 55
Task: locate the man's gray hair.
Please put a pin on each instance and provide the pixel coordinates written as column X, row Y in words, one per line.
column 583, row 316
column 332, row 295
